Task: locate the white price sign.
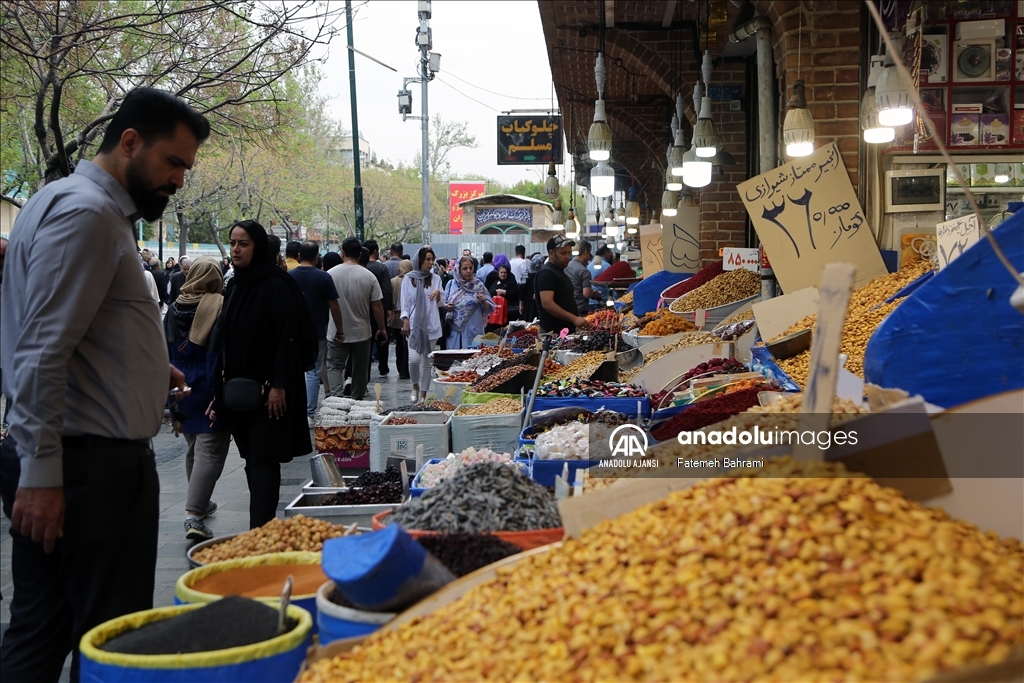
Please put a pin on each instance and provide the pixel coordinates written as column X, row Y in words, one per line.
column 955, row 237
column 404, row 446
column 734, row 258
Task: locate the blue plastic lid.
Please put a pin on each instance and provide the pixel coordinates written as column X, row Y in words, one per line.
column 369, row 568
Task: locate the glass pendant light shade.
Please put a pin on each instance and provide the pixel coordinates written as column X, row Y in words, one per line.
column 551, row 185
column 602, row 180
column 599, row 140
column 557, row 218
column 669, row 201
column 874, row 132
column 798, row 128
column 705, row 134
column 892, row 97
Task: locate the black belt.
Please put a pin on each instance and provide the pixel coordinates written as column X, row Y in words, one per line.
column 93, row 441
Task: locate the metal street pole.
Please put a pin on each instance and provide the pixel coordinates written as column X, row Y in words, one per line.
column 358, row 189
column 425, row 161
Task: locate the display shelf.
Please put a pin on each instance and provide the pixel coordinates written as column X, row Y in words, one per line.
column 981, row 189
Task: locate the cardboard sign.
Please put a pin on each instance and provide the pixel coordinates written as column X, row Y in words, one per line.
column 955, row 237
column 776, row 315
column 681, row 239
column 651, row 246
column 807, row 215
column 735, row 258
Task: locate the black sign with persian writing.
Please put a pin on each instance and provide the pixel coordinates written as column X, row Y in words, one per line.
column 530, row 139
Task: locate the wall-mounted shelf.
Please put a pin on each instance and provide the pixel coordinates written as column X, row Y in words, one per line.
column 987, row 190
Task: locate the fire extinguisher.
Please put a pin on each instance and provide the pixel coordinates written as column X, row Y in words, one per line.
column 499, row 316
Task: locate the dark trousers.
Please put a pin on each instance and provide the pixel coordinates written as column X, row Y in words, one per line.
column 101, row 569
column 379, row 350
column 264, row 480
column 401, row 351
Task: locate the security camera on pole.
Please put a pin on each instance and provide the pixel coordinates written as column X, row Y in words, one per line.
column 430, row 64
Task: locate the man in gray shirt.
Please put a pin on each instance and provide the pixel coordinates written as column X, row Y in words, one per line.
column 580, row 277
column 78, row 476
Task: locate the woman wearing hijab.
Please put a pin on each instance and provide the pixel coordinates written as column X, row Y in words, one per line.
column 187, row 326
column 421, row 324
column 499, row 261
column 267, row 342
column 504, row 284
column 331, row 259
column 395, row 324
column 468, row 306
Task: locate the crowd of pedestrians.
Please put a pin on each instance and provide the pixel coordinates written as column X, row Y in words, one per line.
column 246, row 341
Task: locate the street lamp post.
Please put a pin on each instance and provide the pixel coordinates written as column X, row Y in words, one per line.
column 358, row 189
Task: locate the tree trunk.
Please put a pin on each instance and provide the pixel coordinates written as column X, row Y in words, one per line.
column 217, row 240
column 182, row 234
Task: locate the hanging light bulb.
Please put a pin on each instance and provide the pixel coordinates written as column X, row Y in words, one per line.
column 620, row 214
column 678, row 155
column 696, row 171
column 672, row 183
column 557, row 219
column 551, row 185
column 632, row 208
column 1002, row 173
column 602, row 180
column 688, row 200
column 798, row 129
column 669, row 200
column 874, row 132
column 599, row 140
column 572, row 227
column 705, row 134
column 892, row 96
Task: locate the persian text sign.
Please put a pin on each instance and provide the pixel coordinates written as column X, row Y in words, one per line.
column 955, row 237
column 807, row 215
column 651, row 247
column 529, row 139
column 735, row 258
column 681, row 240
column 460, row 191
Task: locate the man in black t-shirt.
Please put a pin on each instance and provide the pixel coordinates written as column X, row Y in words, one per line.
column 556, row 298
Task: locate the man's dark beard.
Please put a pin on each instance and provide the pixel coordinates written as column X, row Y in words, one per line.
column 150, row 204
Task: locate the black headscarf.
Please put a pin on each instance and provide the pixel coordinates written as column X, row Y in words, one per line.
column 245, row 315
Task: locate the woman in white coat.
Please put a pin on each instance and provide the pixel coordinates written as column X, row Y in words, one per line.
column 422, row 296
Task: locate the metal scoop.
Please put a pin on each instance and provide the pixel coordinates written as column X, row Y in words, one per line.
column 286, row 599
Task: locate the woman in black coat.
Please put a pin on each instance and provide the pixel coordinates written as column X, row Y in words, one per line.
column 266, row 334
column 503, row 283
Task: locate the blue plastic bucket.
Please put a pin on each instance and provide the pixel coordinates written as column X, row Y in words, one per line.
column 184, row 594
column 274, row 660
column 336, row 622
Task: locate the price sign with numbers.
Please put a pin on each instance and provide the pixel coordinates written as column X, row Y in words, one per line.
column 955, row 237
column 807, row 215
column 735, row 258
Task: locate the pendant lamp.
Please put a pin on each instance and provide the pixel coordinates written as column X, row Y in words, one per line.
column 798, row 128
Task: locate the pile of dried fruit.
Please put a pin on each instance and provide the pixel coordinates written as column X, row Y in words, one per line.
column 705, row 274
column 460, row 376
column 465, row 553
column 619, row 270
column 444, row 405
column 497, row 406
column 523, row 341
column 706, row 413
column 298, row 533
column 696, row 339
column 801, row 574
column 403, row 421
column 414, row 408
column 728, row 287
column 591, row 388
column 496, row 379
column 377, row 494
column 664, row 323
column 867, row 311
column 391, row 474
column 626, row 298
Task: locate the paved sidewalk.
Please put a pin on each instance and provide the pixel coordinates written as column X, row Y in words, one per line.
column 231, row 494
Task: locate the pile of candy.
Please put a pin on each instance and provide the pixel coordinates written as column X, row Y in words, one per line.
column 605, row 417
column 590, row 388
column 570, row 441
column 434, row 473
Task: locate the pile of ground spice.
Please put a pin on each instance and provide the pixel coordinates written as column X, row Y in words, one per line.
column 265, row 581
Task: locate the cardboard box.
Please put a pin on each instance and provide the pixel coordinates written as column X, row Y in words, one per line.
column 1004, row 64
column 983, row 175
column 967, row 108
column 995, row 129
column 952, row 180
column 965, row 130
column 990, row 28
column 1018, row 126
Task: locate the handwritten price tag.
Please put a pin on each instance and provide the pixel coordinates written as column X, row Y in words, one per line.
column 735, row 258
column 955, row 237
column 807, row 215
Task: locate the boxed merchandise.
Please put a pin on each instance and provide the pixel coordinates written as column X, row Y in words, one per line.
column 983, row 175
column 1004, row 64
column 934, row 59
column 965, row 130
column 399, row 438
column 995, row 129
column 1018, row 126
column 951, row 178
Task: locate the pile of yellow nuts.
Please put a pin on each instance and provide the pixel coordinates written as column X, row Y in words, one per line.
column 695, row 339
column 497, row 406
column 803, row 574
column 298, row 533
column 581, row 368
column 724, row 289
column 867, row 311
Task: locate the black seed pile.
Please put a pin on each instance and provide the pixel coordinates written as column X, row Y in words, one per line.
column 465, row 553
column 391, row 474
column 412, row 408
column 378, row 494
column 481, row 498
column 232, row 621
